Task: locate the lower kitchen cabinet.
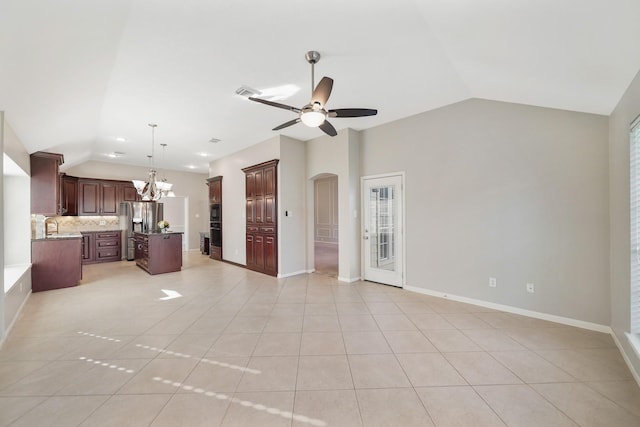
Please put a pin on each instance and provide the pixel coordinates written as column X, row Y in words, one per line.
column 101, row 246
column 55, row 263
column 158, row 253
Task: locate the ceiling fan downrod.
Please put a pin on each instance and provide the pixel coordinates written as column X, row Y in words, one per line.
column 312, row 58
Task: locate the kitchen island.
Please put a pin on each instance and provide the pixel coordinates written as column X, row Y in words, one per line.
column 56, row 262
column 158, row 253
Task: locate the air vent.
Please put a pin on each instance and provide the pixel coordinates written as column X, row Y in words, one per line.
column 247, row 92
column 214, row 140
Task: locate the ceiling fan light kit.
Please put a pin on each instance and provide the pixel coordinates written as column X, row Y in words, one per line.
column 314, row 113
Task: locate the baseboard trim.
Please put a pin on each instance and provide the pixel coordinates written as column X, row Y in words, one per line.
column 348, row 280
column 15, row 318
column 295, row 273
column 515, row 310
column 635, row 374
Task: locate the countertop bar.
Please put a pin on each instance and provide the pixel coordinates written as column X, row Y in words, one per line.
column 61, row 236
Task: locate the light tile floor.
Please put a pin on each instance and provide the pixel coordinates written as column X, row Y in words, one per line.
column 243, row 349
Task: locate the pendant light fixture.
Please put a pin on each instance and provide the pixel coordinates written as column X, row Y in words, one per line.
column 163, row 185
column 149, row 190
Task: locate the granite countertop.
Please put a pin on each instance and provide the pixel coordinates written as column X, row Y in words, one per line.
column 59, row 236
column 156, row 233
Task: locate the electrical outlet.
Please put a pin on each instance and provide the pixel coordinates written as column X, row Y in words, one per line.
column 531, row 288
column 493, row 282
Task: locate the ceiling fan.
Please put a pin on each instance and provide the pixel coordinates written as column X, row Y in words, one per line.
column 314, row 113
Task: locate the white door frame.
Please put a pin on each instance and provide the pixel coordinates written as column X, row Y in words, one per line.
column 401, row 231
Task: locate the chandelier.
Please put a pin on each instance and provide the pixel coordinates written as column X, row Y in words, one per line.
column 152, row 189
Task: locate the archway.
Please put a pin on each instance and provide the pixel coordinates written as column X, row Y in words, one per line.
column 326, row 224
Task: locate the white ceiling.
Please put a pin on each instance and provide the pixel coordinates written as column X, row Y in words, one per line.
column 76, row 74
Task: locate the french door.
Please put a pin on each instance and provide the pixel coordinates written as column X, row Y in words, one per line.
column 383, row 229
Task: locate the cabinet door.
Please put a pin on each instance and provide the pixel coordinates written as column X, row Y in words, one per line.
column 250, row 253
column 88, row 247
column 45, row 183
column 270, row 254
column 129, row 193
column 109, row 198
column 249, row 184
column 269, row 210
column 251, row 210
column 258, row 189
column 215, row 191
column 88, row 197
column 69, row 199
column 270, row 180
column 259, row 209
column 258, row 252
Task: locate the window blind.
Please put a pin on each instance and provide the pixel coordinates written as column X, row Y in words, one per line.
column 635, row 225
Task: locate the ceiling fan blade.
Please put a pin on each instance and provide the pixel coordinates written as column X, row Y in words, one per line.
column 289, row 123
column 276, row 104
column 328, row 128
column 322, row 91
column 352, row 112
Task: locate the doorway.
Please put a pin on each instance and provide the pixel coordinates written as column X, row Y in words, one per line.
column 326, row 225
column 383, row 229
column 176, row 212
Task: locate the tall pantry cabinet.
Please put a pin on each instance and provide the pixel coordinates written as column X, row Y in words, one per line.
column 261, row 186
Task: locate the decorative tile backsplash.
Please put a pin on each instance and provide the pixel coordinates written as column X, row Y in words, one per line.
column 75, row 224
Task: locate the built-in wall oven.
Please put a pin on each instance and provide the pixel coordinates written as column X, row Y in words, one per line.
column 216, row 234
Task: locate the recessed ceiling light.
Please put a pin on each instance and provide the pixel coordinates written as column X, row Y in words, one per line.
column 121, row 139
column 115, row 154
column 190, row 166
column 203, row 154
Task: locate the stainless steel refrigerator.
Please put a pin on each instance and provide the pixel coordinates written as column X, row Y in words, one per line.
column 141, row 217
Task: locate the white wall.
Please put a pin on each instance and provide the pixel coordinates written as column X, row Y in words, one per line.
column 186, row 184
column 501, row 190
column 15, row 233
column 233, row 195
column 337, row 155
column 626, row 111
column 292, row 198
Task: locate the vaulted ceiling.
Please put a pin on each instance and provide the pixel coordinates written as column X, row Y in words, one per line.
column 75, row 75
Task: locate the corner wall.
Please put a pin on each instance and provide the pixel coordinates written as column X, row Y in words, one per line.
column 515, row 192
column 619, row 126
column 338, row 155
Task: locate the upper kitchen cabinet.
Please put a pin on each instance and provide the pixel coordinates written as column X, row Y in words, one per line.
column 215, row 190
column 69, row 195
column 128, row 192
column 45, row 183
column 97, row 197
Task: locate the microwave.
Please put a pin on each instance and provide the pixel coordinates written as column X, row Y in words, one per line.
column 215, row 213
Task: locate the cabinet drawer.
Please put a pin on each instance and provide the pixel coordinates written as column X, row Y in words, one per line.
column 107, row 243
column 269, row 230
column 252, row 229
column 108, row 253
column 108, row 235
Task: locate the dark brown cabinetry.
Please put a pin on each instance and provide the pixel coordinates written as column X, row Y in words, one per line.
column 262, row 217
column 96, row 197
column 101, row 246
column 68, row 195
column 128, row 193
column 45, row 183
column 215, row 190
column 158, row 253
column 88, row 248
column 55, row 263
column 215, row 217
